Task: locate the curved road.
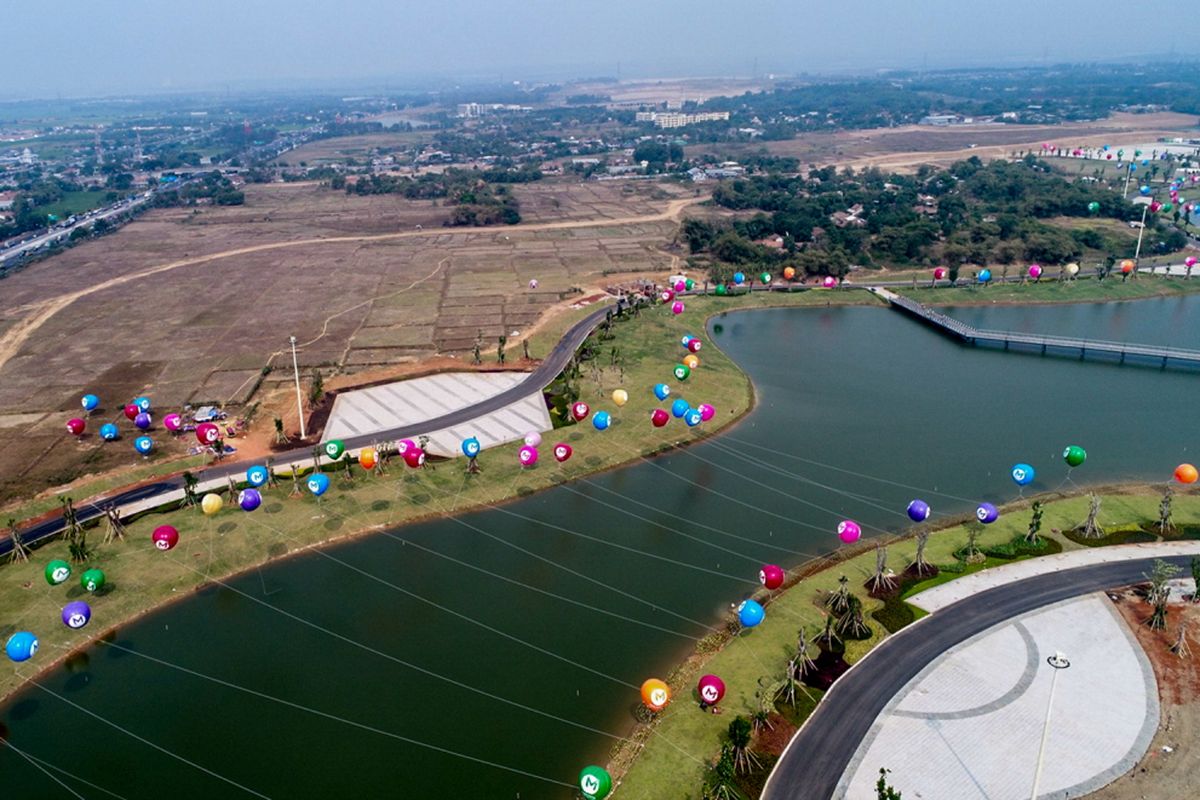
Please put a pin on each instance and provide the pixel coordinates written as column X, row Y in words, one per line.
column 819, row 753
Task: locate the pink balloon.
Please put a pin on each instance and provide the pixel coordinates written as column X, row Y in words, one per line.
column 829, row 282
column 849, row 531
column 677, row 307
column 707, row 412
column 667, row 295
column 939, row 273
column 711, row 689
column 1035, row 271
column 680, row 286
column 562, row 451
column 1190, row 261
column 527, row 455
column 173, row 422
column 404, row 445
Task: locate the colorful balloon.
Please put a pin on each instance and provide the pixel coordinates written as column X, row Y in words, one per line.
column 1145, row 190
column 173, row 422
column 681, row 372
column 689, row 284
column 257, row 475
column 368, row 458
column 580, row 411
column 76, row 426
column 1074, row 455
column 666, row 296
column 655, row 694
column 985, row 275
column 76, row 614
column 739, row 278
column 771, row 576
column 595, row 783
column 707, row 412
column 789, row 273
column 1022, row 474
column 680, row 286
column 662, row 391
column 90, row 402
column 918, row 511
column 721, row 290
column 142, row 421
column 562, row 451
column 333, row 449
column 764, row 278
column 527, row 455
column 165, row 537
column 57, row 571
column 694, row 345
column 939, row 273
column 692, row 418
column 620, row 397
column 601, row 420
column 144, row 445
column 109, row 432
column 829, row 281
column 92, row 580
column 1093, row 207
column 404, row 445
column 849, row 531
column 1126, row 267
column 1035, row 270
column 142, row 403
column 658, row 417
column 21, row 646
column 414, row 457
column 987, row 513
column 317, row 483
column 249, row 499
column 750, row 613
column 207, row 433
column 1186, row 473
column 471, row 447
column 691, row 361
column 679, row 408
column 1072, row 269
column 533, row 439
column 677, row 307
column 711, row 689
column 1190, row 261
column 211, row 503
column 686, row 340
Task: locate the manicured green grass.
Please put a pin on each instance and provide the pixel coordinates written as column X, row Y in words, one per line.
column 75, row 203
column 1086, row 290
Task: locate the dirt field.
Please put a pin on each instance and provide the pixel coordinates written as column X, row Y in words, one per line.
column 193, row 307
column 1165, row 774
column 360, row 147
column 651, row 90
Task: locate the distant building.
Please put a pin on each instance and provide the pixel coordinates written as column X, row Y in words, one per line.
column 671, row 119
column 7, row 199
column 941, row 119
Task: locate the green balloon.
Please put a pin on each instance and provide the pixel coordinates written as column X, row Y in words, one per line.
column 92, row 580
column 1167, row 206
column 334, row 448
column 57, row 571
column 1093, row 206
column 689, row 284
column 1074, row 455
column 721, row 290
column 595, row 783
column 681, row 372
column 765, row 277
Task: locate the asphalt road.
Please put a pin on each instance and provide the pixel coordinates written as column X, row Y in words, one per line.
column 535, row 381
column 817, row 756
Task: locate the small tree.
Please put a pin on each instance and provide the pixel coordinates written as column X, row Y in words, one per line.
column 316, row 389
column 73, row 532
column 19, row 553
column 839, row 600
column 1035, row 524
column 851, row 622
column 739, row 739
column 280, row 436
column 348, row 464
column 721, row 783
column 1164, row 512
column 1091, row 528
column 525, row 348
column 190, row 482
column 1195, row 577
column 971, row 551
column 1160, row 575
column 881, row 581
column 503, row 340
column 114, row 528
column 919, row 564
column 476, row 358
column 1180, row 648
column 883, row 790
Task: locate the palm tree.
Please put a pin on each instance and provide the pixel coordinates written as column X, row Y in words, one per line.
column 739, row 739
column 1160, row 575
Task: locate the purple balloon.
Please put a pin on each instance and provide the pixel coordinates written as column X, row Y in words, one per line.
column 918, row 511
column 142, row 421
column 76, row 614
column 249, row 499
column 987, row 513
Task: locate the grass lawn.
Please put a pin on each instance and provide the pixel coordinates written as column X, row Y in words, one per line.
column 75, row 203
column 1085, row 290
column 757, row 658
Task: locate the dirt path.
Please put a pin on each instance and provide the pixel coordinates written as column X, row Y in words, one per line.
column 16, row 336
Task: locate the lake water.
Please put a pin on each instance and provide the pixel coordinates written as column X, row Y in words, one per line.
column 852, row 402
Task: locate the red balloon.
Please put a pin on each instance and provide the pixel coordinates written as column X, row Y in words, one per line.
column 207, row 432
column 580, row 411
column 75, row 426
column 659, row 417
column 939, row 273
column 165, row 537
column 414, row 457
column 711, row 689
column 131, row 411
column 694, row 345
column 562, row 452
column 667, row 295
column 771, row 576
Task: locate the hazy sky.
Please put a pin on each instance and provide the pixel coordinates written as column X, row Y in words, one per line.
column 72, row 48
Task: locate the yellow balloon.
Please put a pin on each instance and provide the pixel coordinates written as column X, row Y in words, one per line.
column 1072, row 269
column 690, row 361
column 620, row 397
column 211, row 504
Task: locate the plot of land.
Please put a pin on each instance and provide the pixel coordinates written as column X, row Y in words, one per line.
column 340, row 148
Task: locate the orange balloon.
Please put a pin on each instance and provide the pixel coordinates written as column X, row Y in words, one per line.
column 1186, row 473
column 690, row 361
column 1127, row 266
column 789, row 273
column 367, row 457
column 656, row 694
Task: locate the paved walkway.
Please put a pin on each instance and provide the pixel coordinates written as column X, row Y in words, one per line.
column 969, row 726
column 947, row 593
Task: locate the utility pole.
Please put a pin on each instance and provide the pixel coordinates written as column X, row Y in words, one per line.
column 1059, row 662
column 299, row 397
column 1137, row 254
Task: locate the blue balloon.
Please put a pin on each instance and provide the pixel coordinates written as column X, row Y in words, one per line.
column 661, row 391
column 918, row 511
column 692, row 417
column 679, row 408
column 256, row 475
column 1132, row 167
column 687, row 337
column 601, row 420
column 21, row 646
column 1145, row 190
column 987, row 513
column 90, row 402
column 750, row 613
column 143, row 403
column 739, row 278
column 109, row 432
column 1022, row 474
column 318, row 483
column 143, row 444
column 985, row 275
column 1145, row 162
column 471, row 447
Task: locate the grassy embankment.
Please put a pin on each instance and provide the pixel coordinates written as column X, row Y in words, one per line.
column 141, row 578
column 757, row 658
